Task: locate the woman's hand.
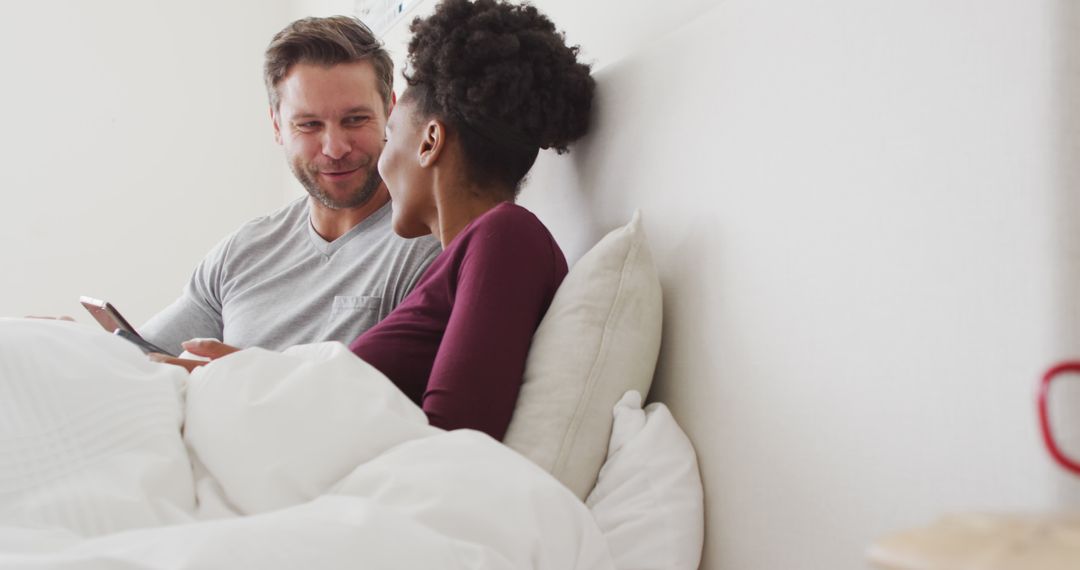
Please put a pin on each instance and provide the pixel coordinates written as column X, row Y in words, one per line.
column 208, row 348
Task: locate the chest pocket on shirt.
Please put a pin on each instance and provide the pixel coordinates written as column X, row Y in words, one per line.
column 351, row 315
column 347, row 303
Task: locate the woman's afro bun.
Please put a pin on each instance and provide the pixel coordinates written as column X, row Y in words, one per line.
column 502, row 68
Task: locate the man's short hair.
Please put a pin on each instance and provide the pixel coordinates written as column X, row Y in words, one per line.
column 326, row 42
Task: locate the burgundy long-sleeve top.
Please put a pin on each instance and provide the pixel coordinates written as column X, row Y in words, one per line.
column 457, row 344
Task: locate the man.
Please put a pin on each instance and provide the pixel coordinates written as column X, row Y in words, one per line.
column 327, row 266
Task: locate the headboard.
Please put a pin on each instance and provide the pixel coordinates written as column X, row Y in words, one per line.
column 853, row 209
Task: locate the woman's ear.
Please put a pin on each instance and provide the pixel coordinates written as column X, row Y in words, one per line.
column 432, row 142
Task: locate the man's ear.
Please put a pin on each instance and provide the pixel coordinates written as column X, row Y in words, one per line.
column 277, row 127
column 432, row 143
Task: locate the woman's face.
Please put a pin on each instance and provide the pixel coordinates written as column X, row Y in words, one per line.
column 411, row 195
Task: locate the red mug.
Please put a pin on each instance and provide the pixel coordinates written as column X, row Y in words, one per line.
column 1044, row 420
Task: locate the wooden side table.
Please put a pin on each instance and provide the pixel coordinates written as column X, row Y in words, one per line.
column 984, row 542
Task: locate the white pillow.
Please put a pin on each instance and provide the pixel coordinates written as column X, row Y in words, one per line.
column 600, row 338
column 648, row 501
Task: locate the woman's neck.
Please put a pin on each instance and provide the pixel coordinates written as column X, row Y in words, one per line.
column 455, row 213
column 458, row 199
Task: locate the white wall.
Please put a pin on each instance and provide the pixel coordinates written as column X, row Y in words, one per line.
column 860, row 210
column 135, row 136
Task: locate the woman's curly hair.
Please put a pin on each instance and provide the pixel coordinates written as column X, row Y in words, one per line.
column 503, row 76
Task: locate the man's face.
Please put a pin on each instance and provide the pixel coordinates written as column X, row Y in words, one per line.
column 330, row 121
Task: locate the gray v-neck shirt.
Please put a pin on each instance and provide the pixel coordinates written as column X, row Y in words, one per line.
column 275, row 283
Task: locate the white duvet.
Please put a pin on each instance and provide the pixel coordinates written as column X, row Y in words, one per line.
column 304, row 459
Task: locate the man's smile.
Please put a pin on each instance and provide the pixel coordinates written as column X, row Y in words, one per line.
column 338, row 174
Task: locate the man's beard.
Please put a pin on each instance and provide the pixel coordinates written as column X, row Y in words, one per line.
column 357, row 197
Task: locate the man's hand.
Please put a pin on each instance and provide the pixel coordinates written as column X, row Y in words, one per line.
column 184, row 363
column 208, row 348
column 205, row 347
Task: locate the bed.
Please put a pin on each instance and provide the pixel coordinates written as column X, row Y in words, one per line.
column 310, row 457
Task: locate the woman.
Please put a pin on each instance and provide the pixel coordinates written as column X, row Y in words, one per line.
column 489, row 84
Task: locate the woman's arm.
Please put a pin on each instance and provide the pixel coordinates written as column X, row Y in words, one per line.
column 505, row 282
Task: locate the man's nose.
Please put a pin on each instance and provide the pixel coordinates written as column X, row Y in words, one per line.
column 336, row 143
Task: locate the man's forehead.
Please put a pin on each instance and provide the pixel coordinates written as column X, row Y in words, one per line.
column 310, row 89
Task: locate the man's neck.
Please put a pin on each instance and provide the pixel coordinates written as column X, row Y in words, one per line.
column 331, row 224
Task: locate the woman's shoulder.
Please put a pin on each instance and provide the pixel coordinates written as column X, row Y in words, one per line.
column 510, row 218
column 509, row 229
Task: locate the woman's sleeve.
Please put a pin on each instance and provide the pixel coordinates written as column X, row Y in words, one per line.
column 505, row 282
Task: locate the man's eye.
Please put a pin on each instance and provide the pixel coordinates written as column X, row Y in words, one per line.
column 355, row 120
column 308, row 126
